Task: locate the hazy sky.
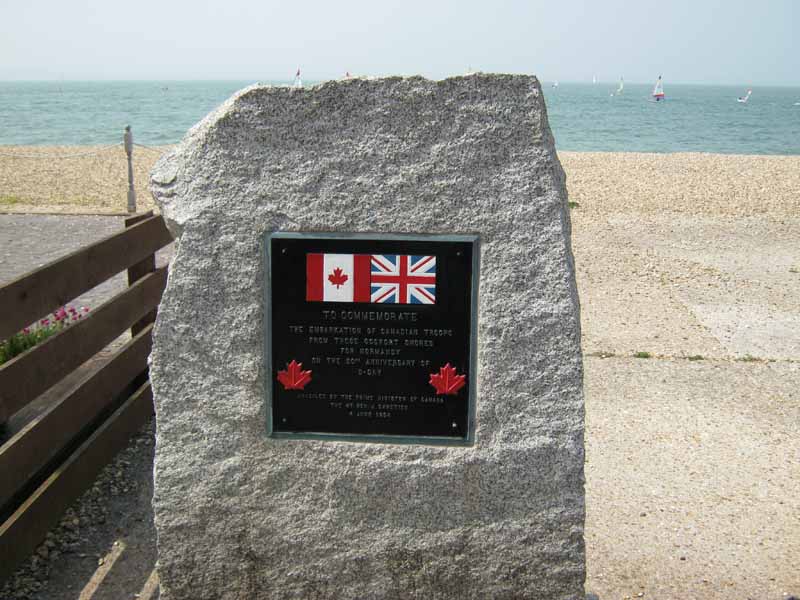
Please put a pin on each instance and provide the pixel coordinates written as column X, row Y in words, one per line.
column 726, row 41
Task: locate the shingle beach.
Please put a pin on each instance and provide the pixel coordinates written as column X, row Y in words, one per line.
column 75, row 179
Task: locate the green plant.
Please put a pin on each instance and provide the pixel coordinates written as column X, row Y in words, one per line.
column 40, row 331
column 747, row 358
column 696, row 357
column 572, row 204
column 10, row 200
column 602, row 354
column 642, row 355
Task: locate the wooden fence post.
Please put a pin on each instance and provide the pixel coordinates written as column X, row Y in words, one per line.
column 128, row 143
column 139, row 270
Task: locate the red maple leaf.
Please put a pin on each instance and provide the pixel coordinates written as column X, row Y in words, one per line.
column 337, row 278
column 294, row 378
column 446, row 381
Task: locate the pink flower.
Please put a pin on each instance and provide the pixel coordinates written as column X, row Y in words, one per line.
column 45, row 321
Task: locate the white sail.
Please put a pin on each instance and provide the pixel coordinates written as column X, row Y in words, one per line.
column 621, row 86
column 594, row 79
column 658, row 90
column 745, row 98
column 297, row 81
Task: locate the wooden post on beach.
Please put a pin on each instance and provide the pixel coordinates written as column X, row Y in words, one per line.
column 128, row 138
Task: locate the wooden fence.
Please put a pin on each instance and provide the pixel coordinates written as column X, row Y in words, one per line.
column 56, row 456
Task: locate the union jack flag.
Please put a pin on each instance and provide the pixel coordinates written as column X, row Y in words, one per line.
column 402, row 279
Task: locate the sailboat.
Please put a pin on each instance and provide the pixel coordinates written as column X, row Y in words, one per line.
column 658, row 91
column 620, row 88
column 555, row 85
column 594, row 79
column 745, row 98
column 298, row 83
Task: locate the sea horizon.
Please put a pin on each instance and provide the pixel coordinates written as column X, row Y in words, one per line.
column 307, row 82
column 583, row 116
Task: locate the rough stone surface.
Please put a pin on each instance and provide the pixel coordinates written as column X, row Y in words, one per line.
column 243, row 516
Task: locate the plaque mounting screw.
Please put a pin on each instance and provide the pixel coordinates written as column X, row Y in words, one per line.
column 459, row 253
column 283, row 420
column 283, row 250
column 455, row 425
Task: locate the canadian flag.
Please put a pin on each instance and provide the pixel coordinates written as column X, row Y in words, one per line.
column 338, row 277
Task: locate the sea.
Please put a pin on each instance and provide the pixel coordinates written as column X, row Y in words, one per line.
column 583, row 116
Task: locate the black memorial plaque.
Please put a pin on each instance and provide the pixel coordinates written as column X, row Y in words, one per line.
column 371, row 337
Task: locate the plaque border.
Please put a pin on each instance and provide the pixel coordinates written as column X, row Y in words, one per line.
column 266, row 254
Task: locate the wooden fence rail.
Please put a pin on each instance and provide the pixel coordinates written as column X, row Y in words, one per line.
column 38, row 293
column 56, row 456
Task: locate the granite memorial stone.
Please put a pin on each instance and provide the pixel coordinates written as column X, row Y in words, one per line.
column 366, row 364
